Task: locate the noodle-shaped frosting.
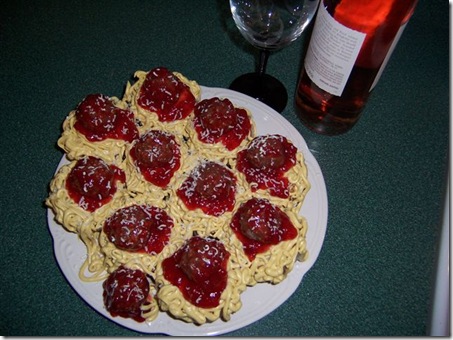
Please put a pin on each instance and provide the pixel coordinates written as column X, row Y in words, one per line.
column 274, row 265
column 150, row 310
column 295, row 174
column 94, row 267
column 298, row 186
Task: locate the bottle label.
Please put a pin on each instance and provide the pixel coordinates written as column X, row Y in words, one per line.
column 332, row 53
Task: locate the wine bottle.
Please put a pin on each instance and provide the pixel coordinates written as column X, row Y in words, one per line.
column 351, row 42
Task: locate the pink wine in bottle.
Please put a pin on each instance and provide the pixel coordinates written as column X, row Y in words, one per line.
column 350, row 45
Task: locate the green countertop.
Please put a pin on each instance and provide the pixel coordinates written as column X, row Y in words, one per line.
column 385, row 178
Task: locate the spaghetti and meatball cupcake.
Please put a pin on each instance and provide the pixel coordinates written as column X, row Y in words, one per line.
column 219, row 129
column 100, row 126
column 162, row 99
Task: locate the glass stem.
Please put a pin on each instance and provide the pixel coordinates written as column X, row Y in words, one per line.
column 264, row 55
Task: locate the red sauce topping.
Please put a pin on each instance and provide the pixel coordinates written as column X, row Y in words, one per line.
column 97, row 118
column 139, row 228
column 92, row 182
column 125, row 291
column 258, row 224
column 218, row 121
column 211, row 187
column 265, row 162
column 199, row 270
column 163, row 93
column 157, row 156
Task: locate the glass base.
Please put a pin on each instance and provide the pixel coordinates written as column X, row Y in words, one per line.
column 262, row 87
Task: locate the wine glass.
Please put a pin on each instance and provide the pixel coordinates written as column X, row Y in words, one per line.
column 269, row 25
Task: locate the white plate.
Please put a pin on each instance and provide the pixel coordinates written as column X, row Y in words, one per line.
column 258, row 301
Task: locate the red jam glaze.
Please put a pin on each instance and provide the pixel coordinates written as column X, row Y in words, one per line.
column 265, row 162
column 139, row 228
column 163, row 93
column 218, row 121
column 258, row 224
column 157, row 156
column 97, row 118
column 210, row 187
column 91, row 183
column 125, row 291
column 199, row 270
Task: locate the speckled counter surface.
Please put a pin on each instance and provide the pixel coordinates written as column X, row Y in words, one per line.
column 385, row 178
